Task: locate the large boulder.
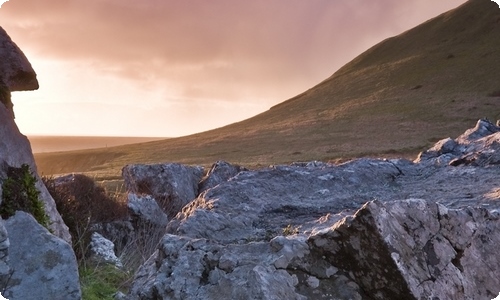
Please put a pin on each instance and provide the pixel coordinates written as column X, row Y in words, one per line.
column 43, row 265
column 415, row 249
column 16, row 72
column 15, row 150
column 478, row 146
column 172, row 185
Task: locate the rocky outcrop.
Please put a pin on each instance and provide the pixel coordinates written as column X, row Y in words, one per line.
column 366, row 229
column 415, row 249
column 15, row 149
column 172, row 185
column 477, row 147
column 16, row 72
column 34, row 263
column 43, row 266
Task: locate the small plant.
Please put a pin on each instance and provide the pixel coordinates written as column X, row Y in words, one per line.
column 290, row 230
column 20, row 193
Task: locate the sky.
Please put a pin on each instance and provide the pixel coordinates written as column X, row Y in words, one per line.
column 168, row 68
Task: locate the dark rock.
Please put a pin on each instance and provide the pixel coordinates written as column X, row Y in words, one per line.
column 172, row 185
column 220, row 172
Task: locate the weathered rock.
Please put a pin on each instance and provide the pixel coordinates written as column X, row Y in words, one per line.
column 5, row 269
column 258, row 204
column 172, row 185
column 185, row 268
column 406, row 249
column 144, row 211
column 15, row 70
column 414, row 249
column 103, row 250
column 44, row 266
column 220, row 171
column 478, row 146
column 15, row 150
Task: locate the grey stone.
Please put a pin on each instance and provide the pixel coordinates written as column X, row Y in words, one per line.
column 44, row 266
column 103, row 250
column 172, row 185
column 414, row 249
column 145, row 210
column 220, row 171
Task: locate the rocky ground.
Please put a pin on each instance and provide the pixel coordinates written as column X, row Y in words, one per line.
column 365, row 229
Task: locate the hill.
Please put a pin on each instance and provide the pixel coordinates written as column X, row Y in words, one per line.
column 396, row 98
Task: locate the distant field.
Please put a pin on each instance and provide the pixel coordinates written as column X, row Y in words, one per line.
column 41, row 144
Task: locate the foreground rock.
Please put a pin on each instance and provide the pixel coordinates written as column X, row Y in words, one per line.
column 34, row 263
column 304, row 231
column 414, row 249
column 42, row 265
column 16, row 74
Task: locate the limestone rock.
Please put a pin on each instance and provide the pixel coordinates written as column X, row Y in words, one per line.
column 43, row 265
column 220, row 171
column 15, row 150
column 172, row 185
column 414, row 249
column 478, row 146
column 103, row 250
column 258, row 204
column 15, row 70
column 185, row 268
column 144, row 211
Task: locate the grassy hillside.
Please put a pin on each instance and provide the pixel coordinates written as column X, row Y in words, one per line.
column 396, row 98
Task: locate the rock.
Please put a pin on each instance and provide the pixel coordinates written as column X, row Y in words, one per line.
column 103, row 250
column 5, row 269
column 15, row 149
column 220, row 171
column 256, row 205
column 185, row 268
column 15, row 70
column 172, row 185
column 43, row 265
column 144, row 211
column 365, row 229
column 414, row 249
column 479, row 146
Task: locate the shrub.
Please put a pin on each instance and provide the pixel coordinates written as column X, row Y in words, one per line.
column 82, row 203
column 20, row 193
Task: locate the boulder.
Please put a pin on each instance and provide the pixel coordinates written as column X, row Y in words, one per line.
column 220, row 171
column 103, row 250
column 172, row 185
column 415, row 249
column 478, row 146
column 145, row 212
column 16, row 72
column 43, row 265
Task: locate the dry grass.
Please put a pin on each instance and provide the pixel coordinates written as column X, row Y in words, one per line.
column 370, row 107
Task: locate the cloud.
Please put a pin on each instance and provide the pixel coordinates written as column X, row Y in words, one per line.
column 263, row 51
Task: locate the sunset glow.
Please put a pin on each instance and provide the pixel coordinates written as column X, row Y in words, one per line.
column 171, row 68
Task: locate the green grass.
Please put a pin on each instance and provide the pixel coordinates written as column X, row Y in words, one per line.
column 368, row 107
column 101, row 282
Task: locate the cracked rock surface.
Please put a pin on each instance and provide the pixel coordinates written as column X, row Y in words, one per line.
column 366, row 229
